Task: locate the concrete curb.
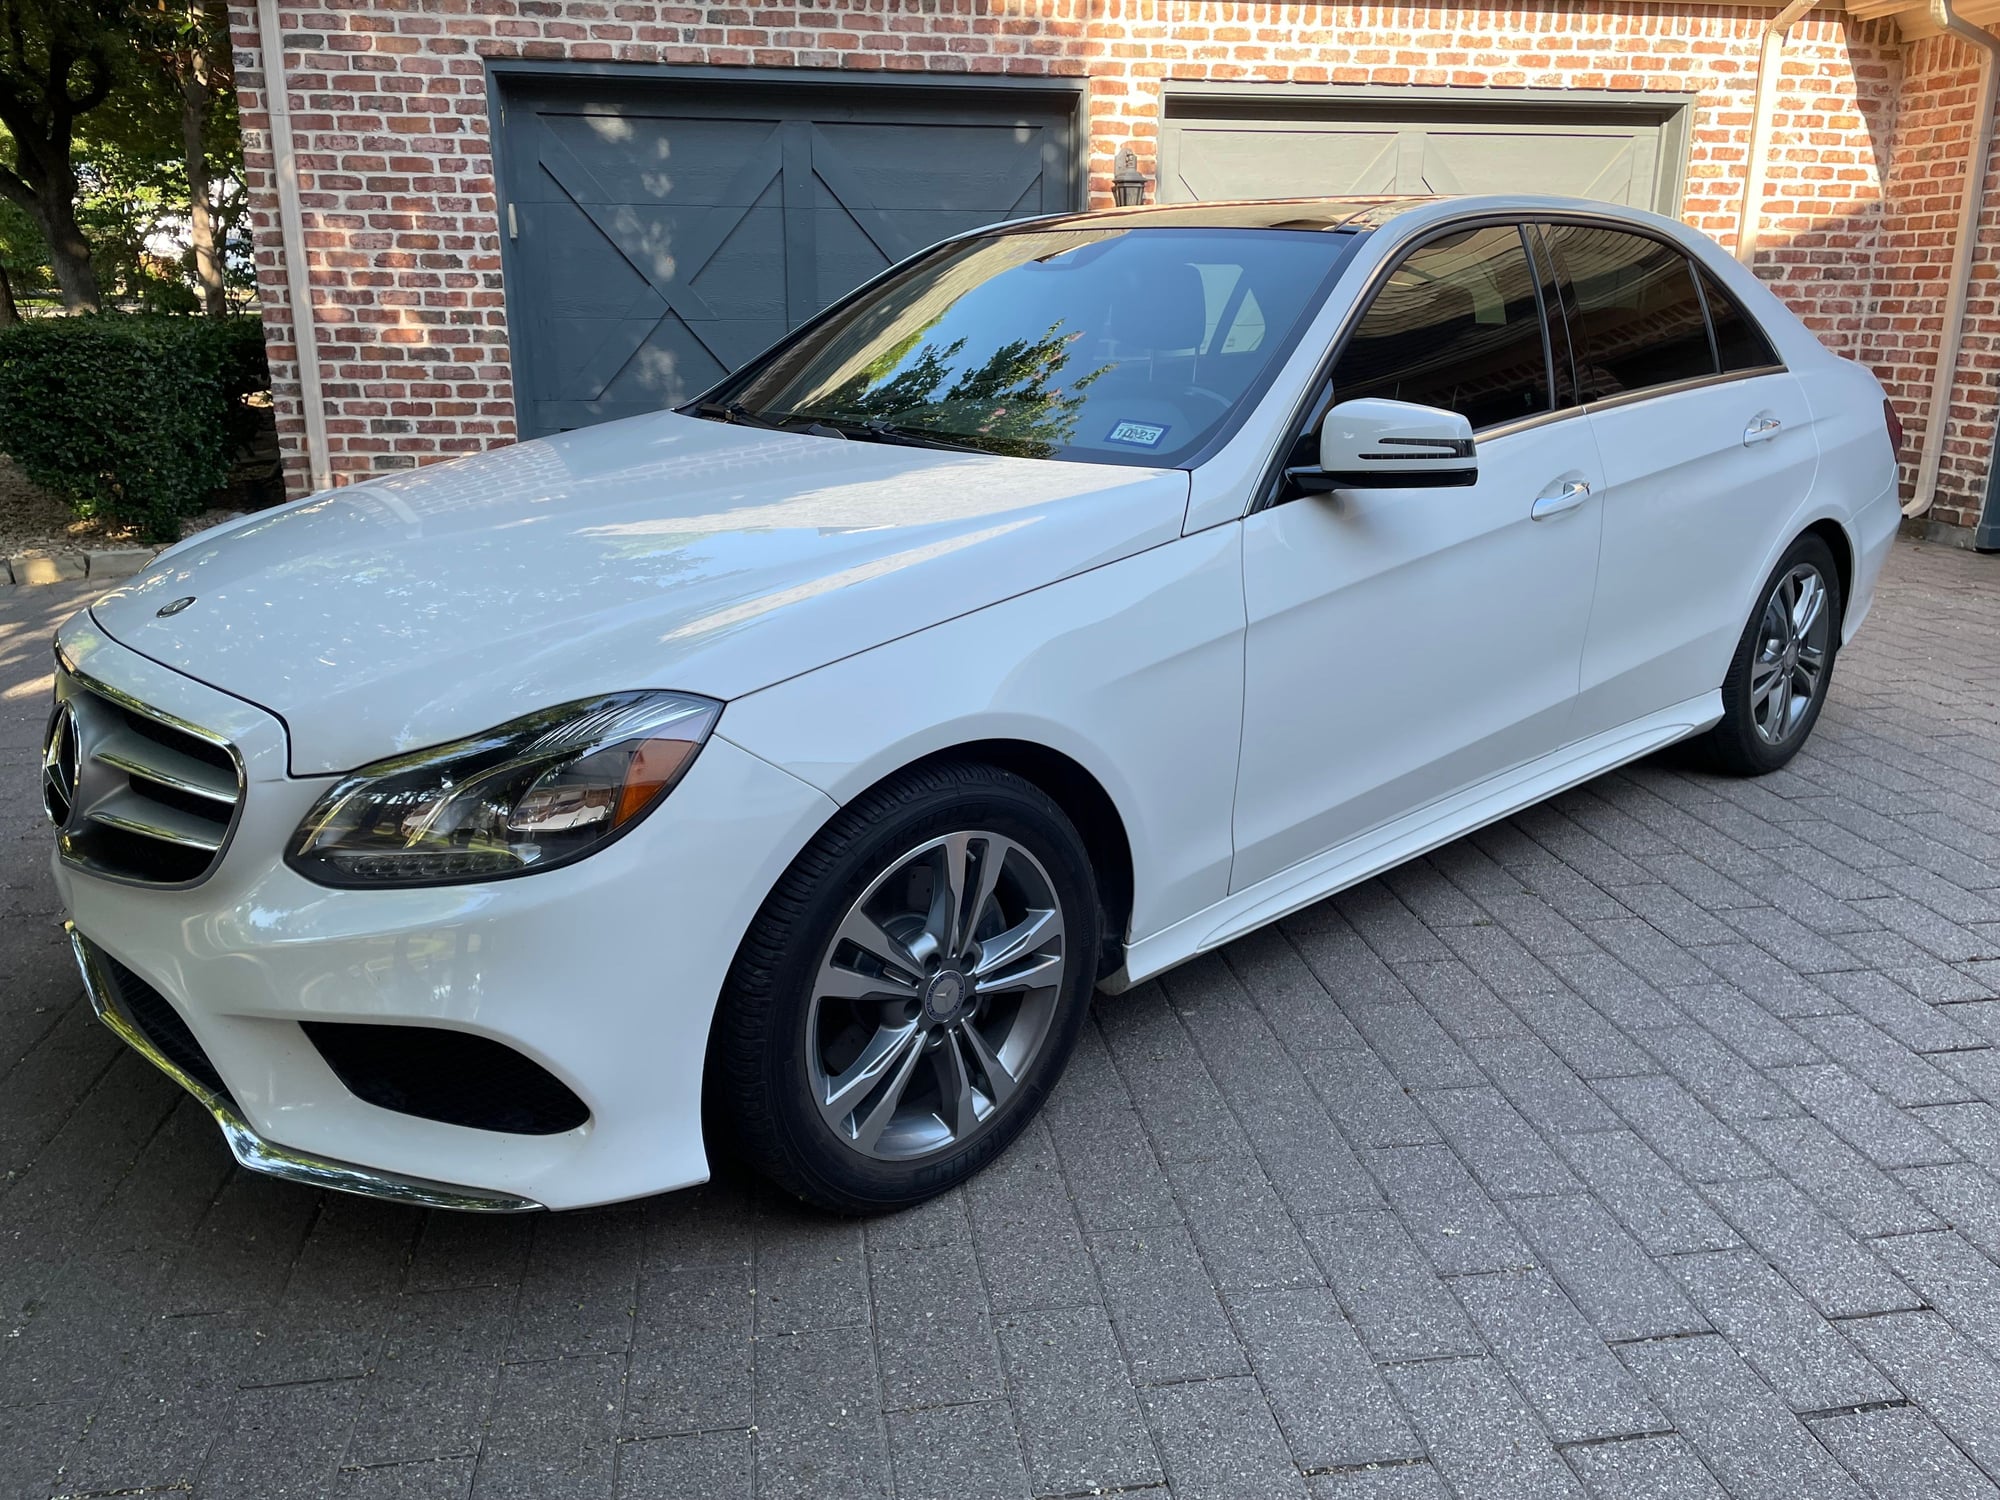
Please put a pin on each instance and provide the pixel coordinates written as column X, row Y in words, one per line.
column 68, row 567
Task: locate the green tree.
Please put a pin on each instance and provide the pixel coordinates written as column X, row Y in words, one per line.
column 186, row 75
column 59, row 59
column 1011, row 403
column 24, row 254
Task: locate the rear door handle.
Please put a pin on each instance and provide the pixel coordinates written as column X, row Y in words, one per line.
column 1571, row 494
column 1762, row 430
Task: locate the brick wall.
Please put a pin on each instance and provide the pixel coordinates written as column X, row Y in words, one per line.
column 390, row 118
column 1920, row 222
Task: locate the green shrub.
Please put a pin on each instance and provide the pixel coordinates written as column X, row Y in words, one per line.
column 132, row 418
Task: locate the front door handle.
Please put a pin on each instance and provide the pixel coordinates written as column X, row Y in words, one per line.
column 1571, row 494
column 1762, row 430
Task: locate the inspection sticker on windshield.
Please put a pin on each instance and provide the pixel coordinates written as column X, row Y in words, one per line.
column 1138, row 434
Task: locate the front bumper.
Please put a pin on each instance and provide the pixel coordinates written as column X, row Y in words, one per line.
column 252, row 1149
column 605, row 973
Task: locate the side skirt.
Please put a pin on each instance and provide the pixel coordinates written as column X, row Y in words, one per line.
column 1392, row 844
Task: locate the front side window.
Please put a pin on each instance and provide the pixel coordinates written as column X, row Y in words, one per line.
column 1118, row 345
column 1456, row 325
column 1636, row 315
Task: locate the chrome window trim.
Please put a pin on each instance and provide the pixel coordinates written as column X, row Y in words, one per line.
column 261, row 1154
column 1268, row 491
column 68, row 668
column 1674, row 388
column 1527, row 424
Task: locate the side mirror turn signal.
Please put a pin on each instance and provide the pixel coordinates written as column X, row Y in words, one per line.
column 1376, row 444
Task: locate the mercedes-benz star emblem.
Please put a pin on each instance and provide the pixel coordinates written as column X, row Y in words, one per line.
column 61, row 764
column 173, row 608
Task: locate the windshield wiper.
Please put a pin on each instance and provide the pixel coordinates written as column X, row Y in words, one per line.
column 876, row 430
column 737, row 412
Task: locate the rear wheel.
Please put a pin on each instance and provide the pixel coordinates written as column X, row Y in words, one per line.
column 910, row 991
column 1778, row 679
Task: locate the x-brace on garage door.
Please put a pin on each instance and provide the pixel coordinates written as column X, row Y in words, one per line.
column 661, row 231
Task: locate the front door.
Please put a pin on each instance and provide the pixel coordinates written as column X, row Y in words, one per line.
column 1406, row 644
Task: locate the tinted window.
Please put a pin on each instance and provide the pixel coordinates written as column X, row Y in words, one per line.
column 1562, row 365
column 1456, row 325
column 1635, row 313
column 1740, row 342
column 1112, row 345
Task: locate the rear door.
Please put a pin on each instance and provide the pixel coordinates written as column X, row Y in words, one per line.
column 1405, row 644
column 1707, row 446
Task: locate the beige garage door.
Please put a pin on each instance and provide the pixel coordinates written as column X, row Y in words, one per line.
column 1616, row 152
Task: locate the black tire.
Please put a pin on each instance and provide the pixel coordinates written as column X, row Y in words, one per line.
column 760, row 1090
column 1737, row 746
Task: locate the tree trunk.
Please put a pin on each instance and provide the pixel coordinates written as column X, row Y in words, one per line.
column 8, row 314
column 69, row 251
column 201, row 219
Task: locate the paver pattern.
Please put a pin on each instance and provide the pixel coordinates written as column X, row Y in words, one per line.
column 1644, row 1146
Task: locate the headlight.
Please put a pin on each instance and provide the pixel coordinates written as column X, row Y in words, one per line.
column 537, row 792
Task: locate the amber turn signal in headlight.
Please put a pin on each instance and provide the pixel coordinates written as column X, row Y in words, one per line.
column 540, row 791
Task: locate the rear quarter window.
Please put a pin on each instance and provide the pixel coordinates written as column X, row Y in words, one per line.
column 1738, row 340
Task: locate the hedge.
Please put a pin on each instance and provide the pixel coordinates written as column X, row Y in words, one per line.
column 135, row 418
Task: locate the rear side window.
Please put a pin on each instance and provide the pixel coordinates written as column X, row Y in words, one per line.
column 1635, row 312
column 1456, row 325
column 1738, row 340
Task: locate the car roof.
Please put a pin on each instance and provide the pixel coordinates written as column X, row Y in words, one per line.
column 1350, row 213
column 1261, row 213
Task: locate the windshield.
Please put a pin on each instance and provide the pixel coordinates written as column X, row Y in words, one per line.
column 1109, row 345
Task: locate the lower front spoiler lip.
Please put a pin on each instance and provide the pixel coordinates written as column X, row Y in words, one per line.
column 261, row 1155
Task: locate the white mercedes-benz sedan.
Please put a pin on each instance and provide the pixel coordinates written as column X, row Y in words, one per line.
column 1075, row 597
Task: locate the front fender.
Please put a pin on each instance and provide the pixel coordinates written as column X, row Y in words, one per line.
column 1133, row 670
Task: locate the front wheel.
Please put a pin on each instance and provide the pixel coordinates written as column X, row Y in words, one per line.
column 910, row 991
column 1778, row 679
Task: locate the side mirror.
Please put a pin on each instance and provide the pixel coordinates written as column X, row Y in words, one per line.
column 1377, row 444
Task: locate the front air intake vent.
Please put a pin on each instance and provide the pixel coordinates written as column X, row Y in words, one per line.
column 135, row 795
column 157, row 1020
column 451, row 1076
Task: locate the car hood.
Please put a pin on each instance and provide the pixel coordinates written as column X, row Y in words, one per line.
column 662, row 551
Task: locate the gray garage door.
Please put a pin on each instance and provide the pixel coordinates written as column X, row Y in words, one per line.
column 662, row 233
column 1243, row 149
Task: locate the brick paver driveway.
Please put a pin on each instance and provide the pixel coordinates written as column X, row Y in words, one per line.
column 1641, row 1147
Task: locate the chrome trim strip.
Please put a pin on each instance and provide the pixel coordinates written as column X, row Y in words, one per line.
column 147, row 711
column 167, row 825
column 261, row 1155
column 1693, row 383
column 136, row 756
column 1524, row 424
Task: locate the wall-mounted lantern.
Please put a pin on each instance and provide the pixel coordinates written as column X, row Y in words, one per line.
column 1128, row 183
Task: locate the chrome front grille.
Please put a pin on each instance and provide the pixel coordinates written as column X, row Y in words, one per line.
column 134, row 793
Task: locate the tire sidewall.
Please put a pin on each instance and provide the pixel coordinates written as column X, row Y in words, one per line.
column 1002, row 804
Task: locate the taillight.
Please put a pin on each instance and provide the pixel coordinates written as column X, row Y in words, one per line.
column 1895, row 426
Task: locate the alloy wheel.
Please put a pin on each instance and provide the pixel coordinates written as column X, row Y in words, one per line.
column 1790, row 663
column 934, row 996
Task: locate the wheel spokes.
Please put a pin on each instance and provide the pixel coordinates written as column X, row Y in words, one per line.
column 882, row 1056
column 871, row 1121
column 836, row 982
column 960, row 1107
column 1764, row 674
column 1037, row 930
column 961, row 933
column 1809, row 601
column 1000, row 1082
column 873, row 939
